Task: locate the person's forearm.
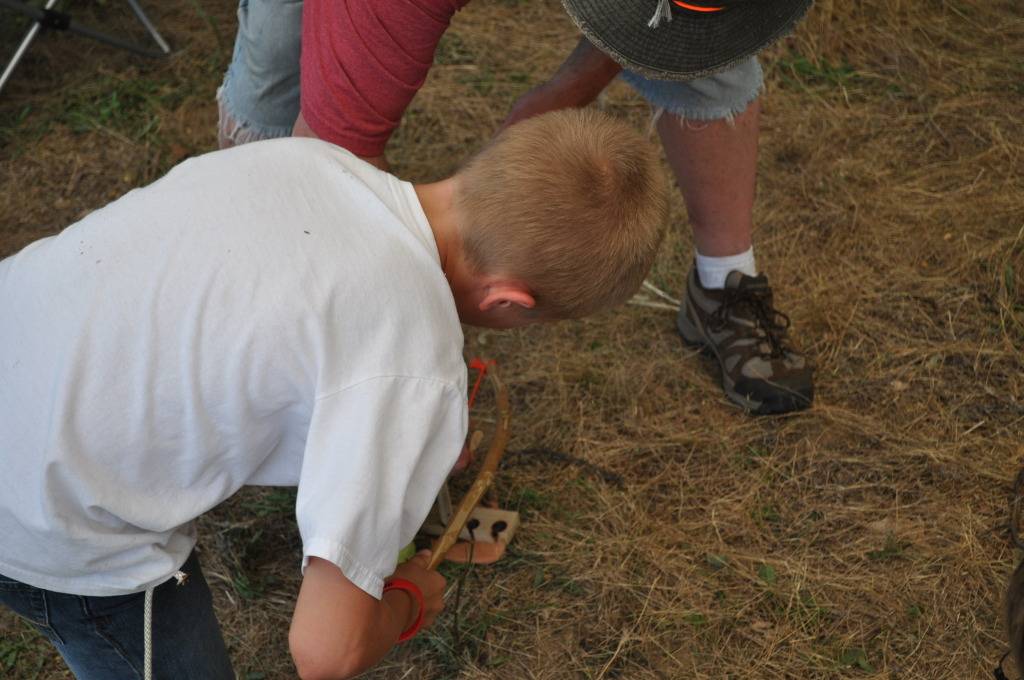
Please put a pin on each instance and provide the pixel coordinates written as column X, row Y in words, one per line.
column 302, row 129
column 576, row 83
column 585, row 73
column 338, row 630
column 339, row 633
column 393, row 615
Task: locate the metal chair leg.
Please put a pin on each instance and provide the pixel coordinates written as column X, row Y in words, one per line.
column 23, row 47
column 149, row 26
column 48, row 18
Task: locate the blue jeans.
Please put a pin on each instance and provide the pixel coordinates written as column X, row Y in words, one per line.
column 259, row 98
column 101, row 638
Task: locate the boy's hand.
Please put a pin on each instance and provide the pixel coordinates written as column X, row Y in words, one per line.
column 468, row 452
column 430, row 583
column 465, row 459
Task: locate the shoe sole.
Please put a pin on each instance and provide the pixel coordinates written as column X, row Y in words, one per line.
column 694, row 336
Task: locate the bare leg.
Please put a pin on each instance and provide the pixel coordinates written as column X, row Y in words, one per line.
column 715, row 164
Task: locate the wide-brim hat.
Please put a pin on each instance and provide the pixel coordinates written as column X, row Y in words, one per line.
column 683, row 39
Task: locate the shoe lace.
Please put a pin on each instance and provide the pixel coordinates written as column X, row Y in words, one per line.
column 769, row 323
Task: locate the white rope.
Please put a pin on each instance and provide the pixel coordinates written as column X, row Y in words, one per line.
column 660, row 293
column 147, row 626
column 658, row 112
column 644, row 302
column 664, row 11
column 641, row 300
column 147, row 635
column 180, row 577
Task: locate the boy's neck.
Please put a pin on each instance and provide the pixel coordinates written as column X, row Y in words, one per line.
column 438, row 202
column 487, row 300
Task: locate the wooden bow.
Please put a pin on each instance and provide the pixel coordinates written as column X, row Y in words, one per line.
column 483, row 479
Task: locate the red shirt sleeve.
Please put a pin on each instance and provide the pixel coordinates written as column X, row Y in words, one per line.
column 362, row 63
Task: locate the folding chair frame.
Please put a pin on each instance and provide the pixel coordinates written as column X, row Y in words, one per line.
column 50, row 19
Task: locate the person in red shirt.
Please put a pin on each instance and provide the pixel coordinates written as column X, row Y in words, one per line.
column 693, row 60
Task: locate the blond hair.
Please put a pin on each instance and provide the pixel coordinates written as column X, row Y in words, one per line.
column 572, row 203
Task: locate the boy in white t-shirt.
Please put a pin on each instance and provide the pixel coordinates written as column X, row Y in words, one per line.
column 172, row 347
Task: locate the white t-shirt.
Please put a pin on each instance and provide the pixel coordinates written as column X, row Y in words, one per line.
column 273, row 314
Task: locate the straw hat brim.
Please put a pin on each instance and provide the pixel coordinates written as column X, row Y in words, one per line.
column 691, row 45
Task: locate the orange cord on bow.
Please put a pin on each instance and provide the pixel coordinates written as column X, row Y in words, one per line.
column 488, row 469
column 479, row 365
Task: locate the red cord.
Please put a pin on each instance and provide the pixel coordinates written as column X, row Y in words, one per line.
column 416, row 594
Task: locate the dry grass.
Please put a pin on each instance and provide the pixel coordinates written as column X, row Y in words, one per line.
column 668, row 535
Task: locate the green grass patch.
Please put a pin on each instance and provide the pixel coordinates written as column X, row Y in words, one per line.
column 695, row 619
column 766, row 514
column 799, row 72
column 855, row 657
column 452, row 50
column 751, row 457
column 556, row 579
column 13, row 124
column 891, row 550
column 24, row 653
column 806, row 614
column 131, row 106
column 480, row 80
column 453, row 648
column 531, row 501
column 767, row 574
column 278, row 501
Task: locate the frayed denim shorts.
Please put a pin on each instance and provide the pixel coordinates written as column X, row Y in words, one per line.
column 716, row 97
column 259, row 98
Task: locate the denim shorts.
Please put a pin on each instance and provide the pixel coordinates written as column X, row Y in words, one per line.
column 259, row 98
column 101, row 638
column 715, row 97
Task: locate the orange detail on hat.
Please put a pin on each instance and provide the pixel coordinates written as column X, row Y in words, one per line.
column 697, row 8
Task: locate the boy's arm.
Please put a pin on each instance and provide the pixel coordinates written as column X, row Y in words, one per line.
column 576, row 83
column 339, row 631
column 362, row 486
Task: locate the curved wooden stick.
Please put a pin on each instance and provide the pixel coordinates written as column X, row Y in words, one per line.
column 483, row 479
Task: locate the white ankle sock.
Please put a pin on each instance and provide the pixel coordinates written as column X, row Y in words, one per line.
column 713, row 270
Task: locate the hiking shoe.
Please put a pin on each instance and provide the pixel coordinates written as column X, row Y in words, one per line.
column 760, row 370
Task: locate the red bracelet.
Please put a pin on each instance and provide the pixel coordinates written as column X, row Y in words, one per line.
column 416, row 594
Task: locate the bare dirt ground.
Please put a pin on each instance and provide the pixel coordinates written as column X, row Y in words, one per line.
column 667, row 534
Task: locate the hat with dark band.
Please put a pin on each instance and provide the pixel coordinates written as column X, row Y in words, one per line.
column 683, row 39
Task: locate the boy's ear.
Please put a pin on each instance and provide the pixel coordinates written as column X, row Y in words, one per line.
column 506, row 294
